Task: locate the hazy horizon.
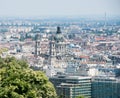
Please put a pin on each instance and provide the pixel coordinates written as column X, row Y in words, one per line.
column 37, row 8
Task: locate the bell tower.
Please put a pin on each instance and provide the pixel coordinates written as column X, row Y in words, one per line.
column 52, row 47
column 38, row 45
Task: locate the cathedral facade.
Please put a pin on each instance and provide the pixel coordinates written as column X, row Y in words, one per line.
column 57, row 48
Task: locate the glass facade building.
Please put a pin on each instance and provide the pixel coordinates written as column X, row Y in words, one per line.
column 89, row 87
column 105, row 88
column 72, row 86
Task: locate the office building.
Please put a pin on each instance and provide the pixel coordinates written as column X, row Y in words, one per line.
column 104, row 87
column 72, row 86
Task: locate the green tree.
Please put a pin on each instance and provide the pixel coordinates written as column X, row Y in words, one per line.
column 17, row 80
column 80, row 97
column 3, row 50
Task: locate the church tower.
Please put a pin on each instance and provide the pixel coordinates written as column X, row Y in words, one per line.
column 38, row 45
column 52, row 47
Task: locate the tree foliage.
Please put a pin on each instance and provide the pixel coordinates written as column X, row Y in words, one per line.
column 3, row 50
column 80, row 97
column 17, row 80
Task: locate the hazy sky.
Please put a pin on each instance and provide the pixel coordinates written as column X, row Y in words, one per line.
column 58, row 7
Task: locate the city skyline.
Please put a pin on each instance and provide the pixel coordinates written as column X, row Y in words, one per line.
column 31, row 8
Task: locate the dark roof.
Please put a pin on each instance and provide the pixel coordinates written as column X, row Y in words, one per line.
column 58, row 30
